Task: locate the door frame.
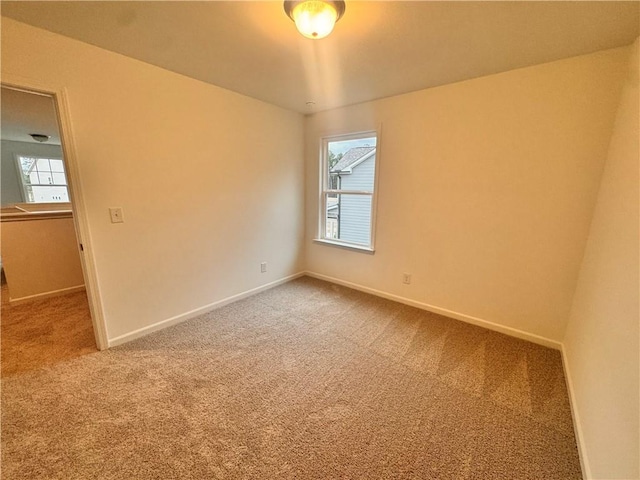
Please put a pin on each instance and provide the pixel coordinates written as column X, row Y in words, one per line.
column 80, row 215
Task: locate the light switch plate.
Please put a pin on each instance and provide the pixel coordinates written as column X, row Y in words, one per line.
column 116, row 215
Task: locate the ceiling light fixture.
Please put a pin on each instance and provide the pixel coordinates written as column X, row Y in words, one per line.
column 314, row 18
column 39, row 137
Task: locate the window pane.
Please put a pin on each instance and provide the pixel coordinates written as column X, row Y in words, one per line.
column 348, row 218
column 50, row 194
column 59, row 178
column 347, row 162
column 42, row 165
column 57, row 165
column 26, row 163
column 33, row 178
column 46, row 178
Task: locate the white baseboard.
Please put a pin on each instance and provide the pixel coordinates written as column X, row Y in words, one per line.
column 141, row 332
column 42, row 296
column 577, row 426
column 513, row 332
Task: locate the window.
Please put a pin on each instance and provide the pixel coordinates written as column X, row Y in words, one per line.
column 348, row 170
column 43, row 179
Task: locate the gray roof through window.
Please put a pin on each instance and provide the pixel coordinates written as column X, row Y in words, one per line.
column 350, row 157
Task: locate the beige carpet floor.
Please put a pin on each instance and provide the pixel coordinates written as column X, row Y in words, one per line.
column 305, row 381
column 44, row 332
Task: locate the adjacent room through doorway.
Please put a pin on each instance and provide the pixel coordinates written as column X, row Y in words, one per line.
column 45, row 312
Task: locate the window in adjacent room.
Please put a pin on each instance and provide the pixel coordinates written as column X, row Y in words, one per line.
column 347, row 206
column 43, row 179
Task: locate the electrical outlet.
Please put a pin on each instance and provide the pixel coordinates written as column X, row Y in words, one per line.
column 406, row 278
column 263, row 267
column 116, row 215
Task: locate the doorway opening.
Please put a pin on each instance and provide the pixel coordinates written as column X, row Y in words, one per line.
column 46, row 316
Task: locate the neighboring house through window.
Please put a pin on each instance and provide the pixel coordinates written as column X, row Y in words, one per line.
column 348, row 188
column 43, row 179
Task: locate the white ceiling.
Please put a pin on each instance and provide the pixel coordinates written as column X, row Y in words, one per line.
column 377, row 49
column 24, row 113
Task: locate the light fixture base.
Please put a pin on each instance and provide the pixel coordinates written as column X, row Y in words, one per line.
column 40, row 137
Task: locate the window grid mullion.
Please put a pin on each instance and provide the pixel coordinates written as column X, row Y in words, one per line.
column 349, row 192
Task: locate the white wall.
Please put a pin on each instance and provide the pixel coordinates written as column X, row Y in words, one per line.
column 11, row 188
column 211, row 182
column 486, row 190
column 601, row 343
column 40, row 257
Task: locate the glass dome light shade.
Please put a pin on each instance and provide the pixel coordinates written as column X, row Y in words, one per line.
column 314, row 18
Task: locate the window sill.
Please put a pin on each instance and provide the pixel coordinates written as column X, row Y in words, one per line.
column 347, row 246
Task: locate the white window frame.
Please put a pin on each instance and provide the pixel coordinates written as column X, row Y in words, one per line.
column 25, row 193
column 324, row 191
